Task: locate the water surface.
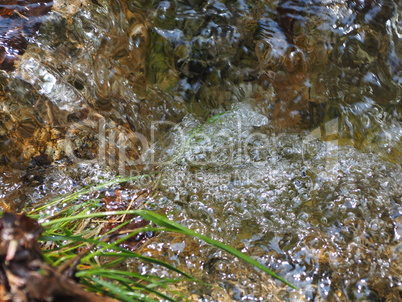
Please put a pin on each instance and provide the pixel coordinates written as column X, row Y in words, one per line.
column 275, row 126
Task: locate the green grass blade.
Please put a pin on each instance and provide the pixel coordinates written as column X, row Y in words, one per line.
column 129, row 283
column 117, row 291
column 150, row 260
column 175, row 227
column 74, row 196
column 120, row 252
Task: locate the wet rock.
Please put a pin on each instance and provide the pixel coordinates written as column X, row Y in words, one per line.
column 23, row 275
column 19, row 21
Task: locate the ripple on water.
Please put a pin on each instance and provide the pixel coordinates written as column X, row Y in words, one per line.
column 322, row 217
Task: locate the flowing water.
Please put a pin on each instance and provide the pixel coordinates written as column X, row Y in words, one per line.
column 275, row 127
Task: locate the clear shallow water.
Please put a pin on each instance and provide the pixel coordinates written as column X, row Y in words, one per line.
column 276, row 127
column 320, row 213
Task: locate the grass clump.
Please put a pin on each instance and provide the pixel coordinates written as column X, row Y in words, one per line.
column 76, row 242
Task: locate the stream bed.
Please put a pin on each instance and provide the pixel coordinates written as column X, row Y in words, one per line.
column 273, row 126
